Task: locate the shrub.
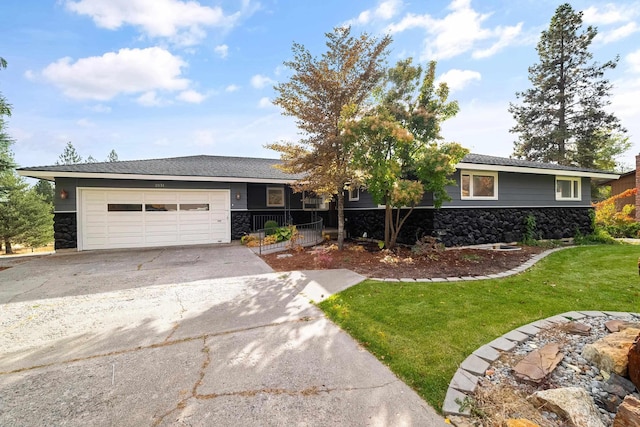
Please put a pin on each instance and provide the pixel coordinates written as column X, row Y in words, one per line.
column 599, row 236
column 270, row 227
column 427, row 245
column 617, row 223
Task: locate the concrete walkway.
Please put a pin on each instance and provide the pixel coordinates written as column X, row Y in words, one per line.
column 148, row 349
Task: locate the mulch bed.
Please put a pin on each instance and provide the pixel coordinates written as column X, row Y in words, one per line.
column 367, row 259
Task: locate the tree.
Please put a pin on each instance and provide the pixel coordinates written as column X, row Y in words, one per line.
column 69, row 155
column 315, row 95
column 45, row 190
column 90, row 159
column 397, row 143
column 24, row 216
column 5, row 107
column 6, row 157
column 562, row 118
column 113, row 156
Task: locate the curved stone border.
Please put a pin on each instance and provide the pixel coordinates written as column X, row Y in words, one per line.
column 464, row 381
column 534, row 259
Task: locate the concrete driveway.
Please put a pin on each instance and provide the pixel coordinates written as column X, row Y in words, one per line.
column 152, row 337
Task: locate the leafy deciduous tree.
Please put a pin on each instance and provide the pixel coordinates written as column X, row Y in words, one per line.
column 397, row 143
column 562, row 118
column 315, row 95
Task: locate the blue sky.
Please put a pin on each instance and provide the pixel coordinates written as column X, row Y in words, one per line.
column 163, row 78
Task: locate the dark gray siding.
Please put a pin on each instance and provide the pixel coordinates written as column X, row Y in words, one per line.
column 521, row 190
column 366, row 201
column 71, row 184
column 257, row 197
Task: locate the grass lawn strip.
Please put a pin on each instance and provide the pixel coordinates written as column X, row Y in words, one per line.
column 423, row 331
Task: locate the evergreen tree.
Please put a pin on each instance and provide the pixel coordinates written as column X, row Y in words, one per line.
column 316, row 94
column 69, row 156
column 113, row 156
column 562, row 118
column 5, row 107
column 45, row 190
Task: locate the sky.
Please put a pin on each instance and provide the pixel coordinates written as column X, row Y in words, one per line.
column 168, row 78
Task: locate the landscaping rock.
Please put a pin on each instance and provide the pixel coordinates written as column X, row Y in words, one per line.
column 618, row 325
column 628, row 413
column 572, row 403
column 610, row 353
column 577, row 328
column 520, row 422
column 538, row 364
column 634, row 362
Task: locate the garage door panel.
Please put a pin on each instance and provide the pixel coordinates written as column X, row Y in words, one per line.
column 159, row 220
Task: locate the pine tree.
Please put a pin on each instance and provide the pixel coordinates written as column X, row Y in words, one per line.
column 69, row 156
column 316, row 94
column 562, row 118
column 113, row 156
column 5, row 107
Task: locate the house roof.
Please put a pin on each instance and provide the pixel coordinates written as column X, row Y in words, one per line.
column 245, row 169
column 249, row 169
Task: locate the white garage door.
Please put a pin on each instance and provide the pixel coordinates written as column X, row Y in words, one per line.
column 114, row 218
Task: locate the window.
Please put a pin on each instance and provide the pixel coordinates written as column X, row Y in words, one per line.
column 479, row 185
column 160, row 207
column 354, row 194
column 124, row 207
column 194, row 206
column 568, row 188
column 275, row 196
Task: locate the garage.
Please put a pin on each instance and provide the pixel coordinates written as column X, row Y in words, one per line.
column 127, row 218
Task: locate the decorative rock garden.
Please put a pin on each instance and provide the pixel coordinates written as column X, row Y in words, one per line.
column 577, row 369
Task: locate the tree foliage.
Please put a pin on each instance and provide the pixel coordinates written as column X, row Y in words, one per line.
column 113, row 156
column 316, row 94
column 45, row 190
column 5, row 107
column 398, row 146
column 69, row 155
column 562, row 118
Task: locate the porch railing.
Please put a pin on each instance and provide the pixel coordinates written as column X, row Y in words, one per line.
column 306, row 235
column 260, row 220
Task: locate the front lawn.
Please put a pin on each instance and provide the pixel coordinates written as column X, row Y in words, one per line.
column 423, row 331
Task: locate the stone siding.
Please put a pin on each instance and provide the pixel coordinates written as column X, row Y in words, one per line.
column 240, row 224
column 461, row 227
column 65, row 230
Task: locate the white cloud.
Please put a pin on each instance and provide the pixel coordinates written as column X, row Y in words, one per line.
column 100, row 108
column 30, row 75
column 616, row 34
column 126, row 71
column 179, row 21
column 460, row 31
column 634, row 61
column 85, row 123
column 265, row 103
column 459, row 79
column 232, row 88
column 610, row 13
column 191, row 96
column 385, row 10
column 259, row 81
column 222, row 50
column 149, row 99
column 203, row 137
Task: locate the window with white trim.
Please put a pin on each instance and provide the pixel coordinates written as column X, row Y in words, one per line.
column 568, row 188
column 275, row 197
column 354, row 194
column 479, row 185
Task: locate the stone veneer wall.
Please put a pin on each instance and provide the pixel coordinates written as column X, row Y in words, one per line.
column 65, row 230
column 240, row 224
column 461, row 227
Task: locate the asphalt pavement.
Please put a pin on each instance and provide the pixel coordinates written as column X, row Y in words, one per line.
column 198, row 336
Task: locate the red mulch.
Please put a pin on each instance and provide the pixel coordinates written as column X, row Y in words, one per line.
column 368, row 260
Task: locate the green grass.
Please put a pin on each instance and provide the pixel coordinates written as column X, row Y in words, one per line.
column 423, row 331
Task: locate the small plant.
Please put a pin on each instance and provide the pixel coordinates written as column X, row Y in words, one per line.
column 427, row 245
column 323, row 259
column 599, row 236
column 270, row 227
column 247, row 239
column 529, row 236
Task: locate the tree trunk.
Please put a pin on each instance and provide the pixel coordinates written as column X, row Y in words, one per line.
column 388, row 212
column 340, row 220
column 7, row 247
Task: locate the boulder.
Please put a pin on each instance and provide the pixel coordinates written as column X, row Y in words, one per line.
column 571, row 403
column 618, row 325
column 538, row 364
column 577, row 328
column 520, row 422
column 610, row 353
column 634, row 362
column 628, row 413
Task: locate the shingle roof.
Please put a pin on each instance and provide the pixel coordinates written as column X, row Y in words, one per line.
column 190, row 166
column 503, row 161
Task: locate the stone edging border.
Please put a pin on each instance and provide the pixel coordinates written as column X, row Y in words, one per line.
column 465, row 380
column 534, row 259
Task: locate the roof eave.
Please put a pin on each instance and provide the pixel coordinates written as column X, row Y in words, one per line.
column 52, row 175
column 539, row 171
